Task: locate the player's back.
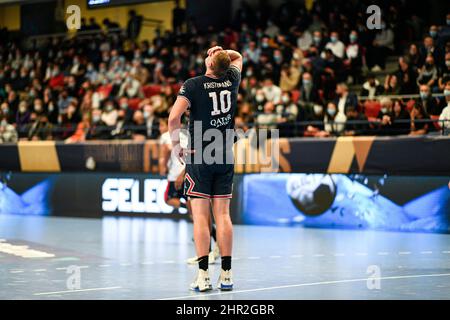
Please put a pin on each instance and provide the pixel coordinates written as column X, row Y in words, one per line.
column 213, row 103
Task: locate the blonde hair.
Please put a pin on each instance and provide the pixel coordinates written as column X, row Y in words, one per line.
column 220, row 64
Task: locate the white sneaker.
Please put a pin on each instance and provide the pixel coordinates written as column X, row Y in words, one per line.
column 193, row 260
column 225, row 281
column 202, row 283
column 214, row 254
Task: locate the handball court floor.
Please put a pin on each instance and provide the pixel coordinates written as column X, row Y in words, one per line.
column 142, row 258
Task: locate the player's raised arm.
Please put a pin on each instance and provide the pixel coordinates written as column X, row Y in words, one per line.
column 236, row 59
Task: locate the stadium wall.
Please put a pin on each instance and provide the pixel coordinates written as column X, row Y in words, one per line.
column 383, row 183
column 426, row 155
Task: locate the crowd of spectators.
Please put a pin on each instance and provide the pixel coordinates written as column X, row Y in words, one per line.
column 298, row 68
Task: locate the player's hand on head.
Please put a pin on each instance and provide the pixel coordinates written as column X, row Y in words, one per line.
column 213, row 50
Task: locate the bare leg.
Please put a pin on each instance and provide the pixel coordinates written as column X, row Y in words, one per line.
column 221, row 210
column 201, row 217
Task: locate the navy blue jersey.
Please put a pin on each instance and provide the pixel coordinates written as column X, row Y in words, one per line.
column 213, row 102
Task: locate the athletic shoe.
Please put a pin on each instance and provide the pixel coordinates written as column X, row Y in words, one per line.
column 202, row 283
column 214, row 254
column 193, row 260
column 225, row 280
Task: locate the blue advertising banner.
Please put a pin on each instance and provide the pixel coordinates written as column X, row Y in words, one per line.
column 420, row 204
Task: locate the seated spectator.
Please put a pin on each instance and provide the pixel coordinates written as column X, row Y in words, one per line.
column 110, row 113
column 39, row 129
column 98, row 130
column 139, row 130
column 371, row 87
column 334, row 121
column 309, row 94
column 444, row 117
column 335, row 45
column 151, row 122
column 287, row 112
column 7, row 113
column 120, row 130
column 7, row 131
column 356, row 123
column 267, row 119
column 419, row 126
column 414, row 57
column 22, row 119
column 272, row 93
column 344, row 99
column 385, row 116
column 131, row 88
column 391, row 85
column 399, row 119
column 407, row 76
column 444, row 75
column 81, row 131
column 428, row 74
column 430, row 104
column 354, row 54
column 290, row 76
column 317, row 128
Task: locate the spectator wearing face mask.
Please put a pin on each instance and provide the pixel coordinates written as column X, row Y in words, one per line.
column 110, row 113
column 428, row 74
column 7, row 113
column 444, row 75
column 385, row 116
column 318, row 41
column 98, row 130
column 151, row 122
column 22, row 119
column 317, row 128
column 444, row 117
column 334, row 121
column 335, row 45
column 121, row 130
column 309, row 94
column 39, row 129
column 7, row 131
column 354, row 58
column 428, row 102
column 131, row 88
column 267, row 119
column 271, row 92
column 287, row 112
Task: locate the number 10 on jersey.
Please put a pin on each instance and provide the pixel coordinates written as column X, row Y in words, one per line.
column 225, row 102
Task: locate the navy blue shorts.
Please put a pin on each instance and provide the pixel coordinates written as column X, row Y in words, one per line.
column 209, row 181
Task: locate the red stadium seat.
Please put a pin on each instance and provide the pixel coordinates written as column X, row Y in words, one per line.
column 134, row 103
column 295, row 95
column 436, row 124
column 151, row 90
column 371, row 108
column 410, row 105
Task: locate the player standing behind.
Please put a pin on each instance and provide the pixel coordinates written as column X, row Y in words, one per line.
column 212, row 100
column 175, row 171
